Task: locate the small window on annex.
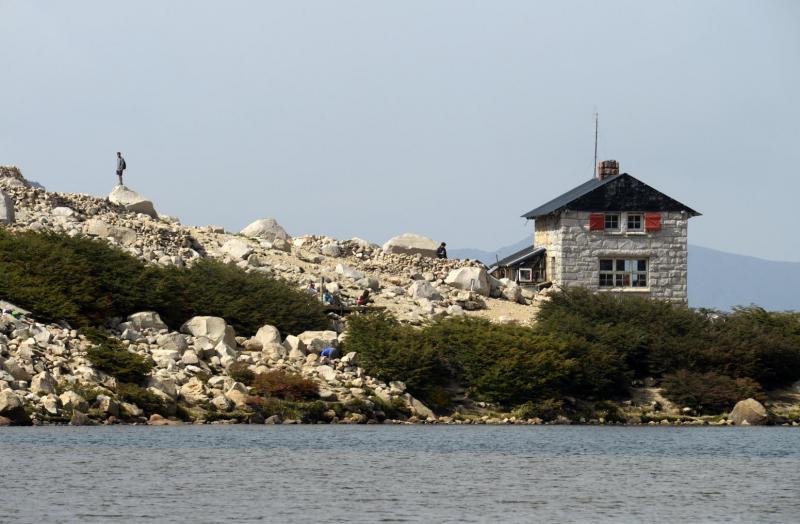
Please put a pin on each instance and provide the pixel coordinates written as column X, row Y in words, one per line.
column 619, row 272
column 525, row 274
column 612, row 221
column 635, row 222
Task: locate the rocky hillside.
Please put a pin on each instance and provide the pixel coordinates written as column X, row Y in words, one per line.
column 204, row 372
column 403, row 275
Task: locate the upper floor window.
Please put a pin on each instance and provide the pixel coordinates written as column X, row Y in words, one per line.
column 635, row 222
column 611, row 221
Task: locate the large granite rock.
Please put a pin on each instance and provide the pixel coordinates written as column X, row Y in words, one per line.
column 43, row 384
column 146, row 320
column 265, row 228
column 749, row 412
column 236, row 248
column 268, row 335
column 411, row 244
column 470, row 279
column 319, row 340
column 11, row 407
column 213, row 328
column 132, row 201
column 6, row 209
column 423, row 289
column 122, row 235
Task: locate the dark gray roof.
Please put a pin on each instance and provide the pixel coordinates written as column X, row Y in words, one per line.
column 520, row 256
column 561, row 201
column 623, row 192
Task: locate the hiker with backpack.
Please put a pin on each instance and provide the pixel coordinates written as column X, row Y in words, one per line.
column 121, row 166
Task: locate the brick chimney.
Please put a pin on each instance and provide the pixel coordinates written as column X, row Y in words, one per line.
column 607, row 168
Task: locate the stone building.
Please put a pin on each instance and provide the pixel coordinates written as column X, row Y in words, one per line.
column 612, row 233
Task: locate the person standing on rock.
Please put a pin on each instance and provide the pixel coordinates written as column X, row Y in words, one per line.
column 121, row 166
column 441, row 251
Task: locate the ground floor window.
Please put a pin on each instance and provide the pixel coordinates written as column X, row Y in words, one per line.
column 623, row 272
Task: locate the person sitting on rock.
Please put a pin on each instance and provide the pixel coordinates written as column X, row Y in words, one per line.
column 441, row 251
column 311, row 289
column 327, row 298
column 363, row 300
column 121, row 166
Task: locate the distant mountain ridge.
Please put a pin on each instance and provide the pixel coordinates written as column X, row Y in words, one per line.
column 717, row 279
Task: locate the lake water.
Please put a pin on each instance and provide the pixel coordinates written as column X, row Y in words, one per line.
column 321, row 474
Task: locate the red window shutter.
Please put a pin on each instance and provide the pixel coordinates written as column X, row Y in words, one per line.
column 597, row 222
column 652, row 222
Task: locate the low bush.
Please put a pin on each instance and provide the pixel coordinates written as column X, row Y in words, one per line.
column 392, row 409
column 110, row 356
column 148, row 401
column 585, row 345
column 246, row 300
column 307, row 412
column 547, row 410
column 85, row 282
column 608, row 411
column 504, row 364
column 708, row 393
column 286, row 386
column 240, row 372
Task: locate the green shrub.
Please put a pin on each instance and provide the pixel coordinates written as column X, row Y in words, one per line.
column 246, row 300
column 646, row 337
column 146, row 400
column 110, row 356
column 389, row 350
column 608, row 411
column 585, row 345
column 708, row 393
column 752, row 342
column 505, row 364
column 74, row 279
column 286, row 386
column 393, row 409
column 85, row 282
column 547, row 410
column 240, row 372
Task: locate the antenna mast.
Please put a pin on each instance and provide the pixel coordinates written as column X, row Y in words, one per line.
column 594, row 167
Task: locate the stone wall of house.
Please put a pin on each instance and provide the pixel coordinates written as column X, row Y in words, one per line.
column 577, row 252
column 548, row 235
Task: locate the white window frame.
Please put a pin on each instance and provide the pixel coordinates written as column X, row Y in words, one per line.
column 629, row 276
column 628, row 227
column 528, row 271
column 606, row 216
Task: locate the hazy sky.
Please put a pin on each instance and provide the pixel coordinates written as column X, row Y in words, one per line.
column 444, row 118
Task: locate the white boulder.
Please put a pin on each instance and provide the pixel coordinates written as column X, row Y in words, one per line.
column 172, row 342
column 470, row 279
column 215, row 329
column 146, row 320
column 236, row 248
column 6, row 209
column 749, row 412
column 411, row 244
column 62, row 211
column 132, row 201
column 422, row 289
column 349, row 272
column 319, row 340
column 122, row 235
column 265, row 228
column 268, row 335
column 43, row 384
